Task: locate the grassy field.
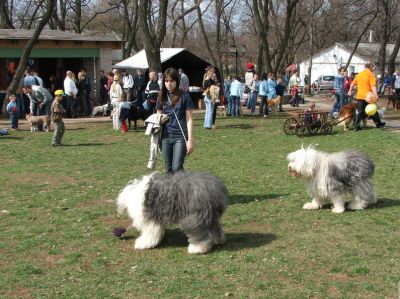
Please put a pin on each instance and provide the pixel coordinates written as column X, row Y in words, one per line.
column 58, row 211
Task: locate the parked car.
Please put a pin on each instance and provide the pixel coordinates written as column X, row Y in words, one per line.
column 324, row 82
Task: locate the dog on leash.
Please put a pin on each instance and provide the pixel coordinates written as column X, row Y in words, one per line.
column 194, row 201
column 100, row 109
column 334, row 176
column 273, row 104
column 347, row 115
column 36, row 121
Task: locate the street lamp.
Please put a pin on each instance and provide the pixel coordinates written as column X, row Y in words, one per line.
column 237, row 52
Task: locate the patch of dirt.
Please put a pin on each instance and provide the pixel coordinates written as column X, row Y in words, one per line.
column 17, row 293
column 29, row 178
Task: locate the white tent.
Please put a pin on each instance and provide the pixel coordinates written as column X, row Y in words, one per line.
column 192, row 64
column 139, row 60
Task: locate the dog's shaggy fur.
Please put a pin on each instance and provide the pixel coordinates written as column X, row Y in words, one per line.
column 334, row 176
column 35, row 121
column 194, row 201
column 100, row 109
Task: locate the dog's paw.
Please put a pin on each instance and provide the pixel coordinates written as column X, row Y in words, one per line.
column 338, row 210
column 142, row 243
column 310, row 206
column 356, row 205
column 199, row 248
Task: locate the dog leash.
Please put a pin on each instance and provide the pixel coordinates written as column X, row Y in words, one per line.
column 173, row 110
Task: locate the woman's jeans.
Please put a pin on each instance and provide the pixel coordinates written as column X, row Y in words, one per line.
column 252, row 101
column 235, row 108
column 209, row 112
column 173, row 147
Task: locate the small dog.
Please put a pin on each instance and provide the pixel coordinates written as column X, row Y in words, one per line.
column 192, row 200
column 334, row 176
column 273, row 104
column 221, row 110
column 395, row 99
column 36, row 121
column 100, row 109
column 347, row 115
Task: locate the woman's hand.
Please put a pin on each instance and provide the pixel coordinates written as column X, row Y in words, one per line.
column 189, row 147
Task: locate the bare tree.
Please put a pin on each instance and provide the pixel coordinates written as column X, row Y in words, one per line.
column 50, row 5
column 180, row 17
column 384, row 19
column 392, row 58
column 5, row 15
column 372, row 18
column 153, row 33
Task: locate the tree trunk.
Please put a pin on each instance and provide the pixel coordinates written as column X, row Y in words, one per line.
column 392, row 59
column 78, row 16
column 383, row 7
column 27, row 51
column 5, row 19
column 152, row 39
column 310, row 32
column 204, row 34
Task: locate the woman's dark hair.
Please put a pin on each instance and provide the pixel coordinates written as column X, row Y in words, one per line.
column 264, row 76
column 172, row 74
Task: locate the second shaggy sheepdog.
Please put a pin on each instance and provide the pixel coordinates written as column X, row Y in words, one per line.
column 334, row 176
column 192, row 200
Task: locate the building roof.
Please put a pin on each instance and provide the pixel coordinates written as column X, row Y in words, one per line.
column 370, row 51
column 26, row 34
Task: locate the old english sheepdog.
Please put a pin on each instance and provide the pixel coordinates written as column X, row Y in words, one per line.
column 334, row 176
column 192, row 200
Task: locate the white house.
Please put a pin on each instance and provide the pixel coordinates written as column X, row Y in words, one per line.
column 328, row 60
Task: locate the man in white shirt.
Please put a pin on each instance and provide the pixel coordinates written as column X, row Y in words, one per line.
column 127, row 84
column 71, row 91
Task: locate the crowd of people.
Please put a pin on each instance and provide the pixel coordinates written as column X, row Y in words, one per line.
column 120, row 89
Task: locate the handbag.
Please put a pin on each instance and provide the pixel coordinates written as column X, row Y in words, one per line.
column 146, row 105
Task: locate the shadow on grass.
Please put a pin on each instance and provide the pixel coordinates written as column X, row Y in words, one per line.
column 381, row 204
column 236, row 126
column 9, row 137
column 235, row 241
column 386, row 203
column 88, row 144
column 241, row 198
column 75, row 129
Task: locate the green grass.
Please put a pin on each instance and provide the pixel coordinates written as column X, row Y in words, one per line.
column 56, row 237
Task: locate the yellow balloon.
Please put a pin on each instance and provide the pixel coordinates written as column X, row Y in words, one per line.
column 371, row 109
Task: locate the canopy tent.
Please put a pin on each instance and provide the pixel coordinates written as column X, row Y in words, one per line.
column 192, row 65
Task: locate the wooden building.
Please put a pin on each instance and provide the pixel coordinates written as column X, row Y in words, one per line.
column 56, row 52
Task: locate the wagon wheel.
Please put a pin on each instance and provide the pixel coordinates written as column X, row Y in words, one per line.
column 290, row 126
column 302, row 129
column 315, row 127
column 326, row 128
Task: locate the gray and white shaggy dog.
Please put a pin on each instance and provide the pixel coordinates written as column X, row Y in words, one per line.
column 194, row 201
column 334, row 176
